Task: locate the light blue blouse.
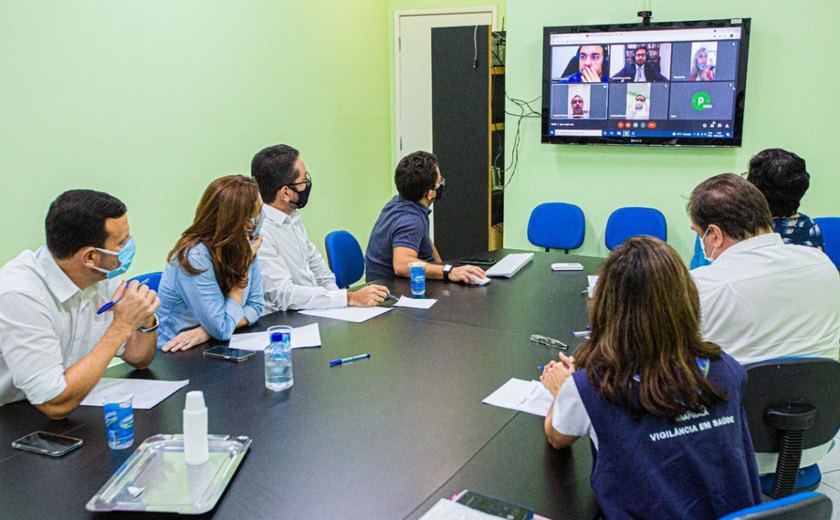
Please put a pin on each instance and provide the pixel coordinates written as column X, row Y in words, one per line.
column 187, row 301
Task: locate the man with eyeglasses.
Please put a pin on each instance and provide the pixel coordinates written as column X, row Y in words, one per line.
column 57, row 337
column 294, row 274
column 401, row 233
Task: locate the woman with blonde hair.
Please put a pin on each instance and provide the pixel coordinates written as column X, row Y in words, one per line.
column 211, row 284
column 700, row 69
column 661, row 407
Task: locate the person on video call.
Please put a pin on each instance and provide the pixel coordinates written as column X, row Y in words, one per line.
column 700, row 69
column 591, row 61
column 640, row 108
column 640, row 70
column 577, row 107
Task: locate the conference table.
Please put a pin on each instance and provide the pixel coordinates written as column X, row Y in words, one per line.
column 385, row 437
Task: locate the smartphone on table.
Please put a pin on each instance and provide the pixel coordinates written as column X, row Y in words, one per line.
column 494, row 506
column 229, row 354
column 46, row 443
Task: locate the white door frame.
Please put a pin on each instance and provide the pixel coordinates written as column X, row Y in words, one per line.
column 491, row 9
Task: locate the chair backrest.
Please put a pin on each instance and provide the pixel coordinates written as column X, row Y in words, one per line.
column 345, row 257
column 556, row 225
column 804, row 506
column 154, row 279
column 776, row 382
column 631, row 221
column 830, row 228
column 792, row 404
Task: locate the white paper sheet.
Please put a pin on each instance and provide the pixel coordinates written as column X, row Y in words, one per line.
column 524, row 396
column 302, row 337
column 147, row 392
column 593, row 281
column 415, row 303
column 354, row 314
column 448, row 510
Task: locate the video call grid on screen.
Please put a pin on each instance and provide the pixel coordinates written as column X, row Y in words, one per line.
column 676, row 75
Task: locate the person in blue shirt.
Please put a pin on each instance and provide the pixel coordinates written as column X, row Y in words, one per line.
column 590, row 64
column 661, row 407
column 211, row 285
column 782, row 178
column 400, row 235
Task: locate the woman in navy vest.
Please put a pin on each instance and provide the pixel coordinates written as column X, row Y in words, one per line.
column 661, row 407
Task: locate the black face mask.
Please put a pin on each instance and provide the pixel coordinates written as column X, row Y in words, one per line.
column 303, row 196
column 439, row 193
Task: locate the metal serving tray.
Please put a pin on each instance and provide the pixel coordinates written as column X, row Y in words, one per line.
column 157, row 478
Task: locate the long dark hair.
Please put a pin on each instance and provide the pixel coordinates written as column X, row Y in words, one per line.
column 220, row 223
column 645, row 339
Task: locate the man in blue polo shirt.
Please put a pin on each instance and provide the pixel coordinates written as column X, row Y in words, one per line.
column 401, row 233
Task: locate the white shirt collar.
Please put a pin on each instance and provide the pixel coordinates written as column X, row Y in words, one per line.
column 55, row 279
column 275, row 215
column 767, row 239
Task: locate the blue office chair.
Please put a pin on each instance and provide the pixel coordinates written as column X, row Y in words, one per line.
column 792, row 404
column 802, row 506
column 345, row 258
column 830, row 228
column 556, row 225
column 698, row 260
column 629, row 222
column 154, row 279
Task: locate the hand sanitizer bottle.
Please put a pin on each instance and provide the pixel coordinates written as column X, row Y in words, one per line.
column 195, row 429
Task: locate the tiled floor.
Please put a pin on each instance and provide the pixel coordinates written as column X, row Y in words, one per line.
column 830, row 485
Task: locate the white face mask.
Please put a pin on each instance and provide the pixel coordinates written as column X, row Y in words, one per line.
column 639, row 105
column 711, row 257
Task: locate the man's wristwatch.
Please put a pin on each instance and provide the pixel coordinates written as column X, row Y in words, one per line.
column 446, row 270
column 147, row 330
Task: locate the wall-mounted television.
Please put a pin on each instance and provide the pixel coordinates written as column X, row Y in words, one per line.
column 667, row 83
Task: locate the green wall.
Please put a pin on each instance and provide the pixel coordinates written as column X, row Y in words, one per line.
column 151, row 100
column 790, row 104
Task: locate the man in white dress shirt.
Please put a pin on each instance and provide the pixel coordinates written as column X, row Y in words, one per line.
column 54, row 346
column 294, row 274
column 761, row 298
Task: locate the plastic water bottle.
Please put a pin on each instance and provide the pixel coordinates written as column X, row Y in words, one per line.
column 278, row 359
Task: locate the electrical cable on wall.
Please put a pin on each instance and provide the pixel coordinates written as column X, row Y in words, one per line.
column 475, row 47
column 526, row 111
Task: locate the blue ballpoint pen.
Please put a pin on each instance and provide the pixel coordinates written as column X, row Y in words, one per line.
column 108, row 305
column 336, row 362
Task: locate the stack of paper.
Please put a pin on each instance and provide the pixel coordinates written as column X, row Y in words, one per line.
column 524, row 396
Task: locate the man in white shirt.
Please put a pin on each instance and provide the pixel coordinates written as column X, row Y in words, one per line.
column 760, row 298
column 294, row 274
column 54, row 346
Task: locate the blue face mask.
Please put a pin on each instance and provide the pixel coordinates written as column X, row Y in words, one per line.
column 257, row 223
column 125, row 256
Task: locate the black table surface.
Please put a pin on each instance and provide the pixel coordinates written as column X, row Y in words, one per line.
column 379, row 438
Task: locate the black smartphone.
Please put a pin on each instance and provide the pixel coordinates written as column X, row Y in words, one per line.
column 229, row 354
column 477, row 261
column 46, row 443
column 494, row 506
